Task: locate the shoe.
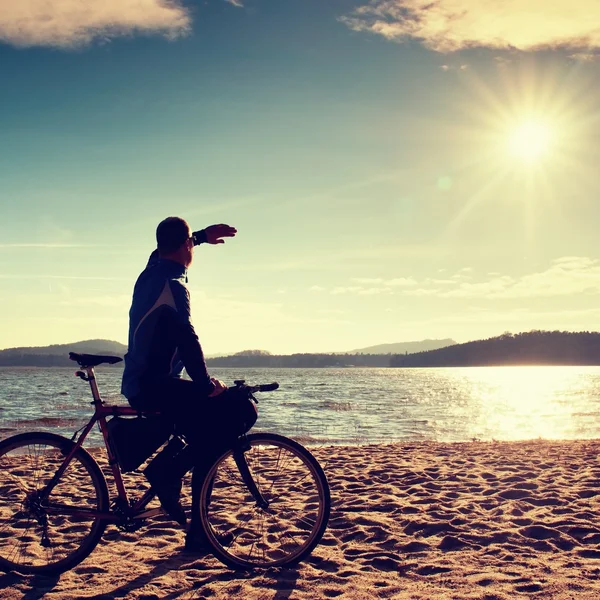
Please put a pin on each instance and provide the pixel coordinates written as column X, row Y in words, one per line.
column 168, row 493
column 197, row 542
column 164, row 474
column 172, row 506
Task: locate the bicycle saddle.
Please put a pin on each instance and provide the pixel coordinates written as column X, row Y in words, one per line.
column 93, row 360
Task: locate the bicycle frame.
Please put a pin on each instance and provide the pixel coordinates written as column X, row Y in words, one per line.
column 101, row 412
column 136, row 510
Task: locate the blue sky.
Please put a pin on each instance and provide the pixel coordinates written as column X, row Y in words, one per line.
column 365, row 163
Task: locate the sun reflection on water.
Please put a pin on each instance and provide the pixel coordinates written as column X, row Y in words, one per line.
column 528, row 402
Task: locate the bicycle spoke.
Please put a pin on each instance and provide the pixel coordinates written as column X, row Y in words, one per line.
column 33, row 538
column 240, row 531
column 243, row 534
column 20, row 542
column 261, row 528
column 16, row 480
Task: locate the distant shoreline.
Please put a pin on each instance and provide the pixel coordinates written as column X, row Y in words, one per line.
column 534, row 348
column 336, row 367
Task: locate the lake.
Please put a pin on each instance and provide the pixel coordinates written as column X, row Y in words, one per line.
column 351, row 406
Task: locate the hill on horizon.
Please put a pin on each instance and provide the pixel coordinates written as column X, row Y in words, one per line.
column 527, row 348
column 112, row 348
column 86, row 346
column 57, row 355
column 402, row 347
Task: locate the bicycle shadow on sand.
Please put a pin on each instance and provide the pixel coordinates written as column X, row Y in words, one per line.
column 282, row 579
column 40, row 585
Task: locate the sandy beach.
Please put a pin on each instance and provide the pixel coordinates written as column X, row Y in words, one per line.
column 418, row 521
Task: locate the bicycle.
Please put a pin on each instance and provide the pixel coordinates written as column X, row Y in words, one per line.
column 265, row 502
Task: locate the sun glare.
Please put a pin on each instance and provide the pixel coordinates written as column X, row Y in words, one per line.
column 530, row 140
column 527, row 139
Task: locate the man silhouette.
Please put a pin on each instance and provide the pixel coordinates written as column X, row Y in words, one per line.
column 162, row 341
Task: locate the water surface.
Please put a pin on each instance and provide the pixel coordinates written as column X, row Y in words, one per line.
column 349, row 406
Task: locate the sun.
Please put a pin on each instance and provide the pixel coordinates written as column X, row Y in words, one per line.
column 531, row 139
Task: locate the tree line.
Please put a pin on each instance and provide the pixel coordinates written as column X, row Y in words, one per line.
column 531, row 348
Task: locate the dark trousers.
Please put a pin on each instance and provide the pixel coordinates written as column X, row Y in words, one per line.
column 209, row 425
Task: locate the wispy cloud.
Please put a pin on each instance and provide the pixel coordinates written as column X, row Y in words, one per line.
column 570, row 275
column 373, row 291
column 454, row 68
column 360, row 290
column 237, row 3
column 251, row 314
column 587, row 57
column 33, row 277
column 74, row 23
column 44, row 246
column 566, row 276
column 397, row 281
column 122, row 301
column 345, row 289
column 450, row 25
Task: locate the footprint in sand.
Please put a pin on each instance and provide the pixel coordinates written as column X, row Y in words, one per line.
column 514, row 493
column 432, row 570
column 451, row 542
column 414, row 547
column 529, row 588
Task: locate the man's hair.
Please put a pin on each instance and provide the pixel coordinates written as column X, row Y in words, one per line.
column 171, row 234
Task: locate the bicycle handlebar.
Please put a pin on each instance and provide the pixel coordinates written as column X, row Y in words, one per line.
column 265, row 387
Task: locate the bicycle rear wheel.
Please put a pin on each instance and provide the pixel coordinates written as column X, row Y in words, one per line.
column 40, row 533
column 290, row 480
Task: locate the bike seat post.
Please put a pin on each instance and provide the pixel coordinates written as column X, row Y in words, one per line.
column 93, row 385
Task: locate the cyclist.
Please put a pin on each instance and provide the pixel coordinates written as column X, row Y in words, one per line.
column 162, row 341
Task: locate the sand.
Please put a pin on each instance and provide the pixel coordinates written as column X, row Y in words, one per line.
column 419, row 521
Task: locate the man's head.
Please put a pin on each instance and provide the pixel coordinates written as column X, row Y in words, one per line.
column 174, row 240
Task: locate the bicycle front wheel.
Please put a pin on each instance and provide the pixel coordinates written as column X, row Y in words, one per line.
column 292, row 518
column 41, row 532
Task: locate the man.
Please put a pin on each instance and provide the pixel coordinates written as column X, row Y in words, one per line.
column 162, row 341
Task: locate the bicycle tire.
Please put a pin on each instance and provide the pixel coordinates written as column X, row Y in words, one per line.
column 225, row 502
column 27, row 545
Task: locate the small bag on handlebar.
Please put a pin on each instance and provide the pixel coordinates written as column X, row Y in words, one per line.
column 135, row 439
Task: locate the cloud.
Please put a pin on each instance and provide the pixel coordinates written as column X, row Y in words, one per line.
column 378, row 281
column 450, row 25
column 44, row 246
column 74, row 23
column 373, row 291
column 368, row 280
column 362, row 291
column 454, row 68
column 237, row 3
column 345, row 290
column 34, row 277
column 567, row 276
column 401, row 281
column 249, row 315
column 121, row 301
column 586, row 57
